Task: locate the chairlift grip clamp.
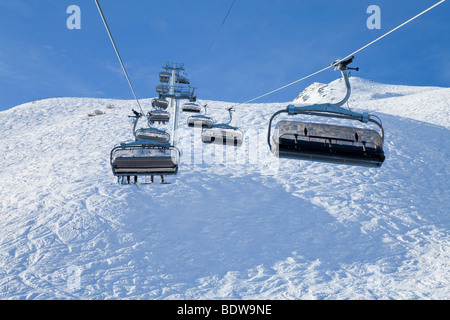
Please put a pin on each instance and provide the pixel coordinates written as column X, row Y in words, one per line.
column 343, row 64
column 136, row 114
column 291, row 109
column 365, row 117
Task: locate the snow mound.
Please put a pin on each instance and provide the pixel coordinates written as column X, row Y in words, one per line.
column 235, row 223
column 419, row 103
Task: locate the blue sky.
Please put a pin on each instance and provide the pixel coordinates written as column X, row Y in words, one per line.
column 262, row 46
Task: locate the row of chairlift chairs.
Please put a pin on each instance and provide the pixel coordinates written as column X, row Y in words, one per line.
column 213, row 132
column 310, row 140
column 151, row 152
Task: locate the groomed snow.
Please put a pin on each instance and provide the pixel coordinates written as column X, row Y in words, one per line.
column 234, row 223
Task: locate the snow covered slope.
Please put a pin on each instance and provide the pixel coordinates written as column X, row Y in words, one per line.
column 235, row 223
column 428, row 104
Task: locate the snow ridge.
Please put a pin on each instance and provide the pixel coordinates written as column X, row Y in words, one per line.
column 235, row 223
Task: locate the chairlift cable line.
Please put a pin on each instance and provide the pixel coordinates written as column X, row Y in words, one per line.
column 398, row 27
column 220, row 28
column 117, row 53
column 217, row 34
column 351, row 54
column 287, row 85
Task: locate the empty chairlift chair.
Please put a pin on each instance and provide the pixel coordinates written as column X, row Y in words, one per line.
column 160, row 103
column 159, row 116
column 152, row 134
column 164, row 76
column 162, row 89
column 327, row 142
column 182, row 79
column 223, row 133
column 200, row 120
column 191, row 107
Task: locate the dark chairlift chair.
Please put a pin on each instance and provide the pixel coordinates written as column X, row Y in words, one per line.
column 326, row 142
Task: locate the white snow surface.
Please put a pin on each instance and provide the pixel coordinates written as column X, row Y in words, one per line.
column 235, row 223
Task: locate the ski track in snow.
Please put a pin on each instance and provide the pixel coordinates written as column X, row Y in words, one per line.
column 235, row 224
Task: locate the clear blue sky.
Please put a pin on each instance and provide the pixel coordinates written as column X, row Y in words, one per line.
column 263, row 45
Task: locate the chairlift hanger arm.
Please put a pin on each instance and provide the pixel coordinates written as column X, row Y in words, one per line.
column 136, row 114
column 270, row 125
column 136, row 117
column 225, row 125
column 333, row 109
column 205, row 107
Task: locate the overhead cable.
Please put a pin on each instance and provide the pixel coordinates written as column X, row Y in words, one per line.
column 351, row 54
column 117, row 53
column 220, row 28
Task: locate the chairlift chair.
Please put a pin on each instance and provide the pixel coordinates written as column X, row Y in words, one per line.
column 152, row 134
column 182, row 79
column 164, row 76
column 149, row 154
column 200, row 120
column 162, row 88
column 191, row 107
column 160, row 103
column 159, row 116
column 144, row 159
column 223, row 133
column 327, row 142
